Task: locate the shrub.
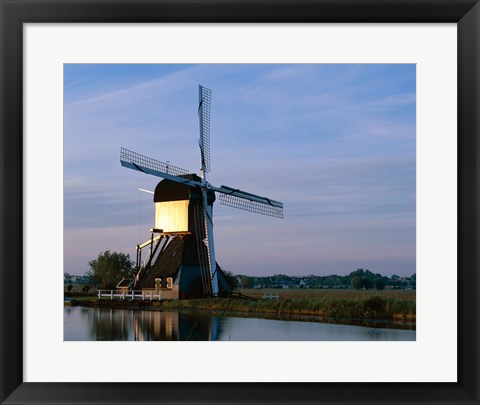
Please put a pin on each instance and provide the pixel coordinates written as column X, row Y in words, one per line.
column 374, row 307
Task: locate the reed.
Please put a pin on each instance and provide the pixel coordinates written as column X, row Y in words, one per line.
column 368, row 307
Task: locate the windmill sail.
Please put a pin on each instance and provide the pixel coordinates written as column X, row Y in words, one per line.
column 204, row 105
column 249, row 202
column 147, row 165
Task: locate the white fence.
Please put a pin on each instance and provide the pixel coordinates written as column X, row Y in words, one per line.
column 270, row 296
column 132, row 295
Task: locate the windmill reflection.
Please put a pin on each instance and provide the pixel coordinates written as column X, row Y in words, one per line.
column 119, row 324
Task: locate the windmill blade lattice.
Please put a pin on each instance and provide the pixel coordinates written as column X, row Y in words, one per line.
column 249, row 202
column 204, row 106
column 147, row 165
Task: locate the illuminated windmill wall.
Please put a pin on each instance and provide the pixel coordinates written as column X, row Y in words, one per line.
column 174, row 205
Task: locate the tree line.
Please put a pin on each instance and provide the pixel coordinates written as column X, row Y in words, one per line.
column 358, row 279
column 107, row 270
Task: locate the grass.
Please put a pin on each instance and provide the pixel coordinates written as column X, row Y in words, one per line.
column 395, row 305
column 322, row 293
column 381, row 305
column 84, row 298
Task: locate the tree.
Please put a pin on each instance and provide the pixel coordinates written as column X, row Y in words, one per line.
column 109, row 268
column 357, row 273
column 246, row 282
column 230, row 279
column 357, row 283
column 367, row 283
column 379, row 283
column 69, row 288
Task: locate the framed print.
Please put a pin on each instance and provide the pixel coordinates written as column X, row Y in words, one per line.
column 430, row 49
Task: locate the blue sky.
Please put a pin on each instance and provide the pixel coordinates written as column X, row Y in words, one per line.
column 334, row 143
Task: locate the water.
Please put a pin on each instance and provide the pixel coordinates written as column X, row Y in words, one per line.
column 83, row 323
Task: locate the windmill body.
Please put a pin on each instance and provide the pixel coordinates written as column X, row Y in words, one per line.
column 181, row 251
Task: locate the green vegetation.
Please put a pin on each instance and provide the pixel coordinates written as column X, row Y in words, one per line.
column 334, row 293
column 245, row 282
column 366, row 307
column 357, row 283
column 85, row 289
column 230, row 279
column 358, row 279
column 109, row 268
column 379, row 283
column 84, row 298
column 361, row 295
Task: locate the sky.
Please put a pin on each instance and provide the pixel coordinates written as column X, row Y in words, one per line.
column 334, row 143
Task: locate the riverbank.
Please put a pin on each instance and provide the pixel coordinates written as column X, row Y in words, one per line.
column 366, row 307
column 371, row 307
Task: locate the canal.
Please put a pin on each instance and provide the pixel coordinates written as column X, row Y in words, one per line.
column 108, row 324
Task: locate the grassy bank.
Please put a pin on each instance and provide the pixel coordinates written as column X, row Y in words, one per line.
column 325, row 292
column 397, row 305
column 368, row 307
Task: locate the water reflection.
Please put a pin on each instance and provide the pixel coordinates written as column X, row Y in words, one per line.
column 83, row 323
column 156, row 325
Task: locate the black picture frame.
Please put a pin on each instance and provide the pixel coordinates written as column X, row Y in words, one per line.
column 14, row 13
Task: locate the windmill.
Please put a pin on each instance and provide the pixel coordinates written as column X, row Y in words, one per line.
column 184, row 207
